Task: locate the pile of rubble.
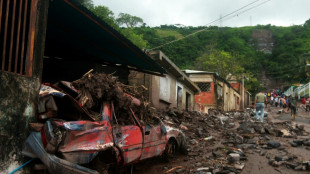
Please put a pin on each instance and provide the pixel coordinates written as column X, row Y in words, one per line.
column 219, row 142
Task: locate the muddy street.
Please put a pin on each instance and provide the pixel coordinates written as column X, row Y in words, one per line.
column 258, row 158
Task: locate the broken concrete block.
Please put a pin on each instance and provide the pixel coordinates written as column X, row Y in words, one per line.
column 203, row 169
column 298, row 168
column 239, row 139
column 307, row 143
column 300, row 127
column 273, row 144
column 234, row 157
column 281, row 158
column 217, row 154
column 239, row 166
column 298, row 142
column 293, row 144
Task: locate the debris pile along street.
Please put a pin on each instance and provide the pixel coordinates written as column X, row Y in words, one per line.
column 217, row 142
column 101, row 134
column 234, row 142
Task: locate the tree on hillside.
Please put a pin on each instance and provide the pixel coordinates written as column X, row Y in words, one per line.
column 108, row 16
column 86, row 3
column 129, row 20
column 105, row 14
column 224, row 63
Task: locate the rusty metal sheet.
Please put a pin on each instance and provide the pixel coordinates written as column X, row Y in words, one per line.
column 23, row 38
column 12, row 37
column 18, row 34
column 1, row 6
column 31, row 36
column 5, row 34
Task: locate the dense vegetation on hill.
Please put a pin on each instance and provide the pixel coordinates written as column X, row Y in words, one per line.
column 224, row 50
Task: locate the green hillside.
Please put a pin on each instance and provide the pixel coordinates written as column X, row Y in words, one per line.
column 234, row 50
column 238, row 51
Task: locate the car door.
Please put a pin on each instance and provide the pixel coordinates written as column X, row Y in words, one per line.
column 127, row 136
column 154, row 140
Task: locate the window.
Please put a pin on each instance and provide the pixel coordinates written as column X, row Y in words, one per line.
column 16, row 22
column 164, row 92
column 204, row 86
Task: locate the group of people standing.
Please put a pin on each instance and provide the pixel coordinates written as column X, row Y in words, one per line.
column 262, row 100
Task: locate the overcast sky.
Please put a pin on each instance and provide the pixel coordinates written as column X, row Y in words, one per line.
column 202, row 12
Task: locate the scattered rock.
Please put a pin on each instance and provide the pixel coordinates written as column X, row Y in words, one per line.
column 203, row 169
column 234, row 157
column 298, row 142
column 239, row 166
column 273, row 144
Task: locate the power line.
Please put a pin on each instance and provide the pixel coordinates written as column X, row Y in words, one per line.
column 232, row 12
column 248, row 9
column 220, row 19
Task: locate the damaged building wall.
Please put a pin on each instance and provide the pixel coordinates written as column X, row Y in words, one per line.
column 239, row 87
column 215, row 92
column 17, row 110
column 207, row 98
column 172, row 93
column 19, row 93
column 219, row 91
column 232, row 101
column 164, row 92
column 188, row 99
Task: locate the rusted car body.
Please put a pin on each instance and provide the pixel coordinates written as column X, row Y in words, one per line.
column 66, row 146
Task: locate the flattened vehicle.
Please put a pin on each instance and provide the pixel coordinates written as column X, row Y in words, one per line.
column 74, row 141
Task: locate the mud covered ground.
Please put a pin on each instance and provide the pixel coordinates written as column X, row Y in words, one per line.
column 258, row 159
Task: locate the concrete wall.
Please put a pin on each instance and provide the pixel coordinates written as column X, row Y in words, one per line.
column 239, row 88
column 163, row 90
column 205, row 100
column 232, row 102
column 18, row 99
column 221, row 96
column 167, row 88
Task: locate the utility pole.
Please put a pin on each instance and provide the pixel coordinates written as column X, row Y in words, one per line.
column 242, row 91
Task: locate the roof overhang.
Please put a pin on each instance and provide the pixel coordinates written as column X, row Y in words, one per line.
column 73, row 32
column 216, row 76
column 170, row 67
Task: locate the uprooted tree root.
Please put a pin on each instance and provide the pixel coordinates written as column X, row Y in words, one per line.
column 95, row 88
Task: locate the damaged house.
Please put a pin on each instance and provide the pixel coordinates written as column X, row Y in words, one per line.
column 246, row 100
column 50, row 41
column 174, row 90
column 216, row 92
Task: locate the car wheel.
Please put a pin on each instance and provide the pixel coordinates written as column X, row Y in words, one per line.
column 170, row 150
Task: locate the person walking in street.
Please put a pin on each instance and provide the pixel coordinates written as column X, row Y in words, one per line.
column 303, row 102
column 284, row 102
column 308, row 104
column 280, row 102
column 293, row 108
column 276, row 101
column 259, row 105
column 288, row 103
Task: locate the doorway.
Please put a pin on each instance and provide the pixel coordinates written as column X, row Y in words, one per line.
column 188, row 99
column 179, row 97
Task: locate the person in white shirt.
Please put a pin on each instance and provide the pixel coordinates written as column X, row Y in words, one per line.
column 276, row 101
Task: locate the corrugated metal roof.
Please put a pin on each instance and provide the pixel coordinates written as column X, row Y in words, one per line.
column 73, row 32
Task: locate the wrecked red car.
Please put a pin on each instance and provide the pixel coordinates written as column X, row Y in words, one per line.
column 73, row 141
